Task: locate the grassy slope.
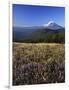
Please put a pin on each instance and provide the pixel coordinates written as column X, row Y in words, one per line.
column 38, row 63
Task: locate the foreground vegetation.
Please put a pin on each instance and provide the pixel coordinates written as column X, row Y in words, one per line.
column 38, row 63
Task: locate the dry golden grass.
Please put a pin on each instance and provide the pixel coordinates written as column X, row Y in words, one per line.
column 38, row 63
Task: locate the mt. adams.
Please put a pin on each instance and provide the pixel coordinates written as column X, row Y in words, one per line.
column 52, row 25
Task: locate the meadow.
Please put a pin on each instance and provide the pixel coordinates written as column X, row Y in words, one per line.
column 38, row 63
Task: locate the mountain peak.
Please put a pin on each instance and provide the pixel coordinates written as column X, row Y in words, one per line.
column 52, row 25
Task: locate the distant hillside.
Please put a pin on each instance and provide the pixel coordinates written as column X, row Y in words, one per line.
column 40, row 35
column 52, row 33
column 48, row 35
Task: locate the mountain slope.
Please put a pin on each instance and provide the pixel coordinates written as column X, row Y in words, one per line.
column 48, row 35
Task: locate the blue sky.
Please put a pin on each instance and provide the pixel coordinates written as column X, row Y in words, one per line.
column 29, row 15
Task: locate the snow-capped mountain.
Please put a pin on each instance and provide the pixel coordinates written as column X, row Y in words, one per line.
column 52, row 25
